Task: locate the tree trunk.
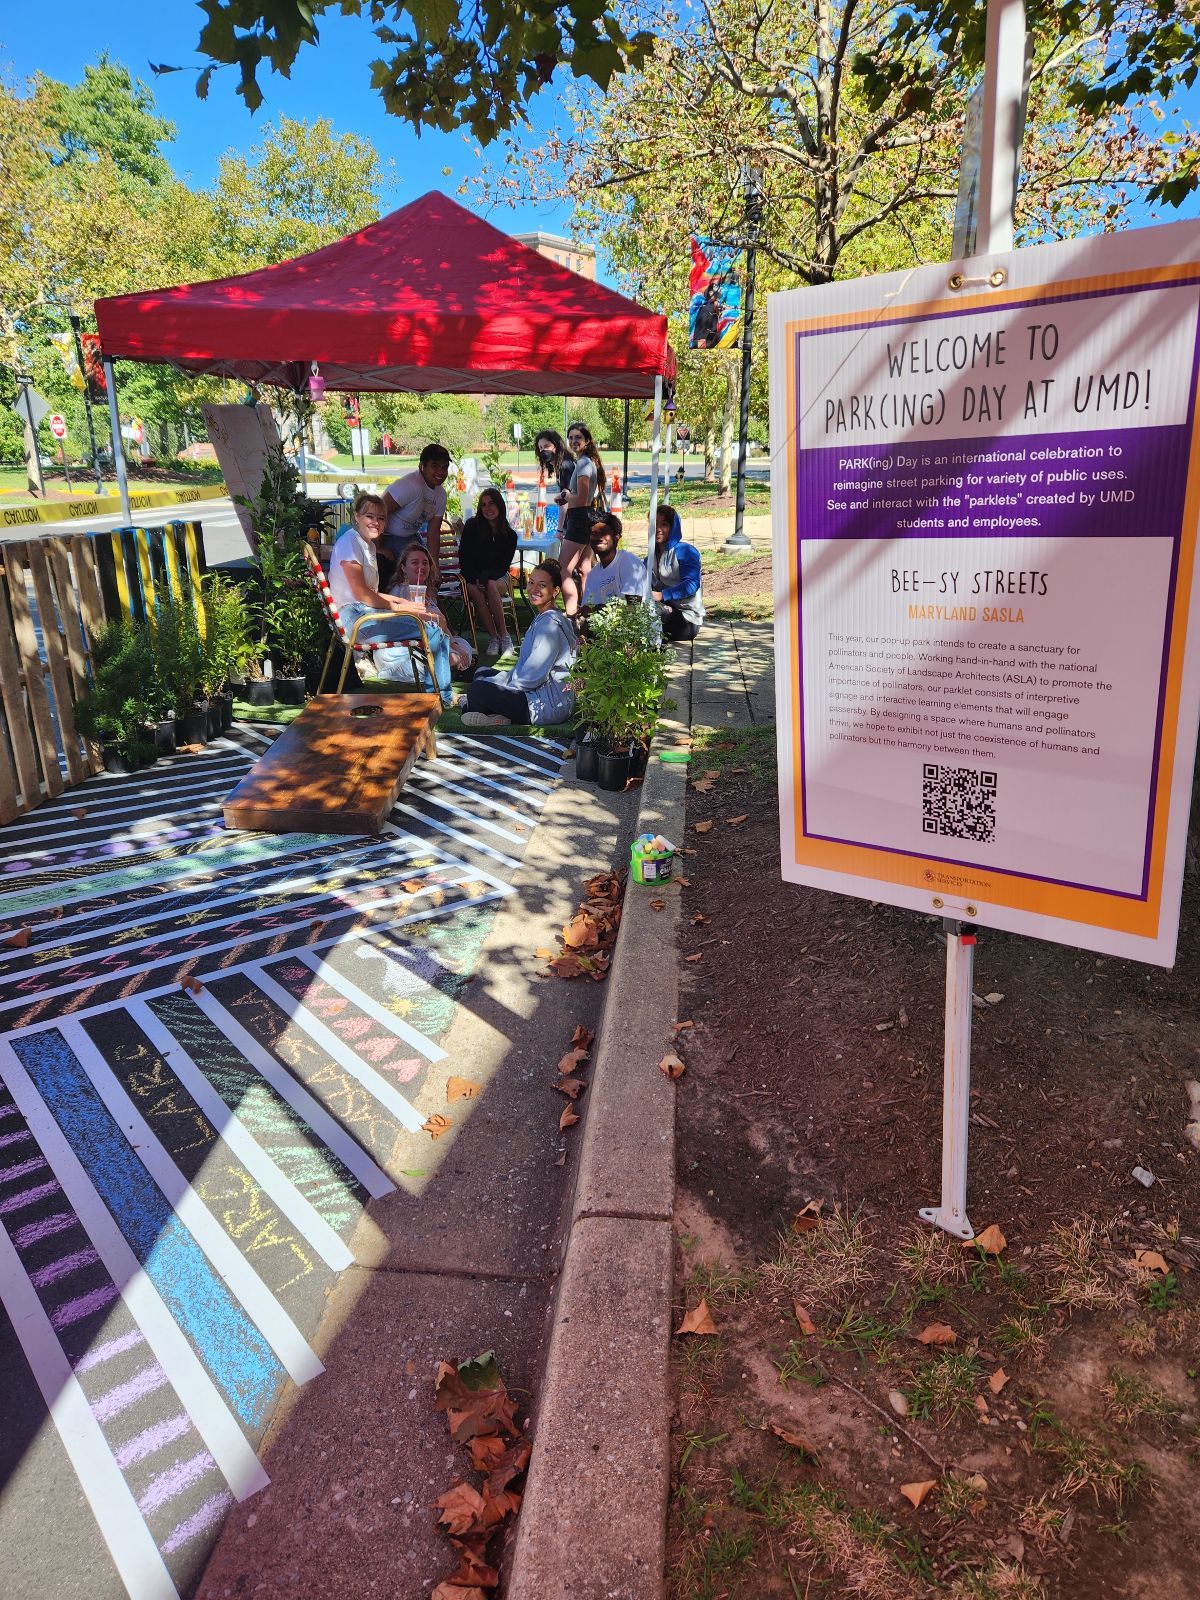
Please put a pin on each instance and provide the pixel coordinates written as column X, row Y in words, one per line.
column 710, row 449
column 731, row 397
column 33, row 464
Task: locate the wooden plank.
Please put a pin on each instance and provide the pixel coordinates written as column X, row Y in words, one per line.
column 70, row 610
column 58, row 665
column 117, row 539
column 141, row 544
column 9, row 807
column 12, row 689
column 338, row 768
column 91, row 606
column 35, row 680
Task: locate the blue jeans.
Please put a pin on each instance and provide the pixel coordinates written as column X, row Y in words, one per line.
column 394, row 629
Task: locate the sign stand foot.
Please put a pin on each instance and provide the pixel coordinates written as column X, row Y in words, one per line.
column 951, row 1214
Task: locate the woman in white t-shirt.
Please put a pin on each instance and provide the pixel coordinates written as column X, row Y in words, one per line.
column 354, row 585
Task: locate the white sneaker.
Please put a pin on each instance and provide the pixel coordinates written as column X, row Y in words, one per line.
column 492, row 649
column 506, row 645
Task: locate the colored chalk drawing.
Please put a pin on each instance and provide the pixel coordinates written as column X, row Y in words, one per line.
column 180, row 1173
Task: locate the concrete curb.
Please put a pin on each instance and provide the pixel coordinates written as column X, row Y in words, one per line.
column 593, row 1523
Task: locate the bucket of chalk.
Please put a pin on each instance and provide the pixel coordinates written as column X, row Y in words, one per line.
column 651, row 859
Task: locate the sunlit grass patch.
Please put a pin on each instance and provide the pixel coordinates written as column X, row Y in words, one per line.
column 1074, row 1258
column 1130, row 1397
column 946, row 1386
column 826, row 1266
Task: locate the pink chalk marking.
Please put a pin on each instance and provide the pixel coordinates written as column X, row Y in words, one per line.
column 213, row 1509
column 75, row 1310
column 110, row 1348
column 63, row 1268
column 151, row 1439
column 173, row 1482
column 128, row 1394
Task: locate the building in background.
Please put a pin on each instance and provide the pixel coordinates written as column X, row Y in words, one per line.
column 580, row 258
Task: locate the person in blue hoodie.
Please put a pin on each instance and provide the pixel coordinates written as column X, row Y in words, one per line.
column 676, row 577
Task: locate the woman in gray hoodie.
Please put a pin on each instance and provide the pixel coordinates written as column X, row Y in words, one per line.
column 537, row 690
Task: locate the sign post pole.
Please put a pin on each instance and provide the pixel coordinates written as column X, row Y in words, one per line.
column 1003, row 94
column 87, row 403
column 655, row 461
column 118, row 449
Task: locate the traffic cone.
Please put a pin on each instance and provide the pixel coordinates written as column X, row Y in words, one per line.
column 539, row 515
column 460, row 483
column 618, row 501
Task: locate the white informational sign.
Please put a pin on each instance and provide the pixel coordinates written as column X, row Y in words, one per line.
column 518, row 432
column 985, row 518
column 58, row 425
column 360, row 444
column 242, row 436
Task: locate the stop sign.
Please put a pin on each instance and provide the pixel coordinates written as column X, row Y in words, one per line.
column 58, row 425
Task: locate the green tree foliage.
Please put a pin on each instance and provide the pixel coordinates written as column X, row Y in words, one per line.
column 109, row 113
column 444, row 65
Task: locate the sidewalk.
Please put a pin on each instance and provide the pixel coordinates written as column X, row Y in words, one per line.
column 730, row 680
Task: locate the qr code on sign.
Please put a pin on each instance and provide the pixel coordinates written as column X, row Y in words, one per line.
column 958, row 803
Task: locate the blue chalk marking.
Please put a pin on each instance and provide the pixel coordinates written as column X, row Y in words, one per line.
column 229, row 1344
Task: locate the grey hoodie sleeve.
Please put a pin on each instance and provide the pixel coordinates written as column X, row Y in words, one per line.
column 541, row 649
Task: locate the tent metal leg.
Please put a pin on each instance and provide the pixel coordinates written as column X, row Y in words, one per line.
column 114, row 417
column 655, row 450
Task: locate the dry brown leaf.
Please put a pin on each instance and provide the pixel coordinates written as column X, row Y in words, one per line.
column 582, row 1038
column 18, row 940
column 936, row 1333
column 436, row 1125
column 462, row 1510
column 680, row 1027
column 807, row 1325
column 914, row 1493
column 192, row 985
column 712, row 772
column 451, row 1591
column 981, row 1405
column 545, row 955
column 991, row 1241
column 79, row 812
column 736, row 822
column 698, row 1320
column 1150, row 1261
column 658, row 905
column 808, row 1217
column 997, row 1380
column 412, row 885
column 700, row 920
column 568, row 966
column 694, row 958
column 703, row 827
column 460, row 1089
column 796, row 1440
column 571, row 1060
column 737, row 771
column 581, row 933
column 703, row 785
column 672, row 1066
column 685, row 850
column 571, row 1087
column 567, row 1120
column 684, row 883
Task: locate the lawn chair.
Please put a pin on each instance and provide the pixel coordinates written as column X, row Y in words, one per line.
column 418, row 649
column 452, row 586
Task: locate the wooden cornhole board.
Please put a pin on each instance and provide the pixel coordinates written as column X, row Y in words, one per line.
column 339, row 767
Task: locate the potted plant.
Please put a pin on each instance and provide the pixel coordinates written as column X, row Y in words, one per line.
column 226, row 651
column 113, row 710
column 619, row 676
column 178, row 649
column 290, row 622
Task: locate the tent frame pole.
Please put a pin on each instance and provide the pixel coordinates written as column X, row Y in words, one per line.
column 114, row 419
column 655, row 449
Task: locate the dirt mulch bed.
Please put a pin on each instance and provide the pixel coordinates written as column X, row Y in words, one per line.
column 749, row 579
column 1060, row 1427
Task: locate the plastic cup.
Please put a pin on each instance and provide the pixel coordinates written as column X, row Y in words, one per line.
column 417, row 590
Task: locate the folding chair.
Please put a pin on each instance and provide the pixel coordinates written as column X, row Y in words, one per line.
column 418, row 649
column 452, row 586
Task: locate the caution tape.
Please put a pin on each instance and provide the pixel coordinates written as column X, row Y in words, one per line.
column 106, row 505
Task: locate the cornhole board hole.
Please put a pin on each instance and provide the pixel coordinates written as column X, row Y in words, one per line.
column 339, row 767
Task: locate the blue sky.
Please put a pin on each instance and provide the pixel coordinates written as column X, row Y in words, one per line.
column 331, row 80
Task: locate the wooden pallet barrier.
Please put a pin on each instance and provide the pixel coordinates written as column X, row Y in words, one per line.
column 49, row 604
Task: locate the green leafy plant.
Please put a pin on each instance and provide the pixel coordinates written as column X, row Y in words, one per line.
column 178, row 656
column 620, row 675
column 279, row 514
column 291, row 623
column 228, row 651
column 114, row 708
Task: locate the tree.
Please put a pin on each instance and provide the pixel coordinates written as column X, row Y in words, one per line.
column 109, row 113
column 449, row 65
column 301, row 187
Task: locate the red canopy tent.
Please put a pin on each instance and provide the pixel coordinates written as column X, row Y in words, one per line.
column 430, row 298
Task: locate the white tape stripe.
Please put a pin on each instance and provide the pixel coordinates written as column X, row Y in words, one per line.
column 430, row 780
column 372, row 1008
column 44, row 861
column 300, row 1212
column 141, row 1568
column 536, row 801
column 383, row 937
column 109, row 797
column 326, row 1128
column 95, row 822
column 214, row 1421
column 466, row 759
column 330, row 871
column 521, row 748
column 470, row 816
column 470, row 748
column 464, row 839
column 373, row 1082
column 281, row 1333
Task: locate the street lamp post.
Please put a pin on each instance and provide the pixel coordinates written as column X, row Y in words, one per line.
column 738, row 540
column 87, row 403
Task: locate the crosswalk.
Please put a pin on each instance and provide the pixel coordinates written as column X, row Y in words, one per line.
column 215, row 1049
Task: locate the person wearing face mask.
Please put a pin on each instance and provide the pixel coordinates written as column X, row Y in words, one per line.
column 555, row 460
column 587, row 484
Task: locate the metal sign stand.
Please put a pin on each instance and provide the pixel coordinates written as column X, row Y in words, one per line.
column 1002, row 119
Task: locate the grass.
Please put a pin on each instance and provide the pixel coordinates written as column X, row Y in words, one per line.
column 722, row 1283
column 945, row 1387
column 1085, row 1465
column 826, row 1266
column 956, row 1499
column 740, row 608
column 752, row 748
column 722, row 560
column 1075, row 1263
column 1130, row 1398
column 866, row 1335
column 796, row 1366
column 1022, row 1335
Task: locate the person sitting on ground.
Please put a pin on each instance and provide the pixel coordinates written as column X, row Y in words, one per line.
column 485, row 553
column 416, row 504
column 537, row 690
column 354, row 587
column 615, row 572
column 415, row 572
column 675, row 582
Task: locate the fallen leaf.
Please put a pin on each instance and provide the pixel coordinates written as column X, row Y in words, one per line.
column 997, row 1380
column 460, row 1089
column 796, row 1440
column 474, row 1398
column 991, row 1241
column 807, row 1325
column 571, row 1060
column 192, row 985
column 658, row 905
column 436, row 1125
column 977, row 1483
column 700, row 920
column 684, row 883
column 672, row 1066
column 545, row 955
column 936, row 1333
column 703, row 827
column 698, row 1320
column 568, row 966
column 581, row 933
column 681, row 1027
column 981, row 1405
column 571, row 1087
column 486, row 1450
column 582, row 1037
column 562, row 1159
column 993, row 999
column 694, row 958
column 712, row 772
column 685, row 851
column 1150, row 1261
column 808, row 1217
column 412, row 885
column 462, row 1509
column 703, row 785
column 737, row 771
column 567, row 1120
column 18, row 940
column 79, row 812
column 736, row 822
column 914, row 1493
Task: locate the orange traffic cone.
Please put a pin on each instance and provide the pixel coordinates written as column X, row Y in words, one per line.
column 460, row 483
column 539, row 515
column 618, row 501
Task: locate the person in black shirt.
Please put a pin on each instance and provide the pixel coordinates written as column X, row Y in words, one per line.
column 485, row 553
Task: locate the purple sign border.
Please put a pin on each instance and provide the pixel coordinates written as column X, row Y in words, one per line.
column 1153, row 800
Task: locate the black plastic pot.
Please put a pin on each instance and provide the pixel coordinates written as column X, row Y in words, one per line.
column 164, row 738
column 126, row 758
column 289, row 691
column 225, row 701
column 587, row 761
column 214, row 724
column 258, row 691
column 613, row 772
column 638, row 757
column 193, row 729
